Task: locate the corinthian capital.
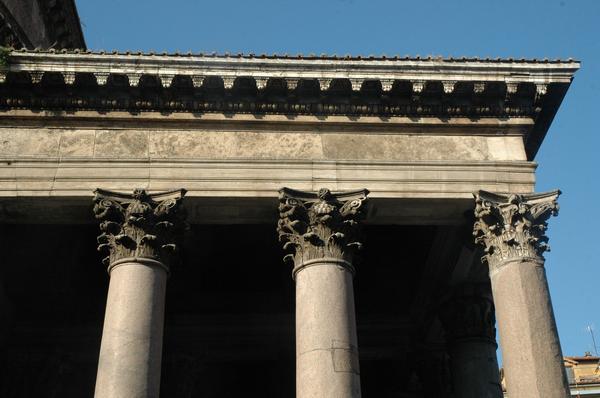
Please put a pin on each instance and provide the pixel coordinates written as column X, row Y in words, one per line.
column 139, row 227
column 469, row 314
column 513, row 226
column 323, row 225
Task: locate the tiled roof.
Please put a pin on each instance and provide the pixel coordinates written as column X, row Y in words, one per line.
column 335, row 57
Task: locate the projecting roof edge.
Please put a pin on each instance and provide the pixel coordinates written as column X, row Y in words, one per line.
column 302, row 56
column 505, row 70
column 354, row 87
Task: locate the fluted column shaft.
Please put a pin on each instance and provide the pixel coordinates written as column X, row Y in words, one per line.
column 468, row 319
column 138, row 231
column 321, row 230
column 512, row 230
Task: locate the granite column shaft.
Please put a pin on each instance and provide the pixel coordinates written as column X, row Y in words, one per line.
column 131, row 349
column 321, row 230
column 138, row 232
column 468, row 319
column 512, row 229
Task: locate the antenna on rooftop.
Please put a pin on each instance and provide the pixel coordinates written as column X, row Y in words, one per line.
column 591, row 330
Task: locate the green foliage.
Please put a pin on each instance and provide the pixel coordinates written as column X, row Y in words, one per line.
column 4, row 56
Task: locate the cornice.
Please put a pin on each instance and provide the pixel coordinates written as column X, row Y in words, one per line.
column 241, row 121
column 417, row 70
column 72, row 81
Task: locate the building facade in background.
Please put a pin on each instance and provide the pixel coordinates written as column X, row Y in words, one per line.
column 398, row 191
column 583, row 375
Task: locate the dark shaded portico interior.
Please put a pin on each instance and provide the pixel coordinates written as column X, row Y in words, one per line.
column 229, row 318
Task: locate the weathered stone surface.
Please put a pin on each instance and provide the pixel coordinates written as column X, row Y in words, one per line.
column 232, row 144
column 205, row 144
column 422, row 134
column 19, row 142
column 321, row 230
column 406, row 147
column 139, row 231
column 77, row 143
column 138, row 227
column 512, row 229
column 130, row 354
column 327, row 362
column 322, row 226
column 121, row 144
column 251, row 158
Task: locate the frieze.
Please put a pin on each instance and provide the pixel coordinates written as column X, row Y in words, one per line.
column 134, row 91
column 139, row 225
column 512, row 227
column 197, row 98
column 320, row 226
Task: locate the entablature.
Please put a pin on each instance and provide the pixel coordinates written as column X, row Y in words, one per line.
column 321, row 86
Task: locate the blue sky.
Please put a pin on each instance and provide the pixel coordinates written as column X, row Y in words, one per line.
column 533, row 28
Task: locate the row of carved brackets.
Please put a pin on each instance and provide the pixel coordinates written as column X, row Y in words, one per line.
column 261, row 82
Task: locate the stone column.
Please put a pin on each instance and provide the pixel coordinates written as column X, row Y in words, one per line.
column 512, row 230
column 321, row 231
column 469, row 322
column 139, row 233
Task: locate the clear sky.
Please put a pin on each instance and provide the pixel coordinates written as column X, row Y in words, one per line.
column 568, row 158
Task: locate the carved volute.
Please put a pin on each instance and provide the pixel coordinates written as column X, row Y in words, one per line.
column 139, row 227
column 513, row 227
column 469, row 313
column 320, row 226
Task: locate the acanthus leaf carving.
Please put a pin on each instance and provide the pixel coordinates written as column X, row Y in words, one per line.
column 469, row 313
column 139, row 225
column 322, row 225
column 513, row 226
